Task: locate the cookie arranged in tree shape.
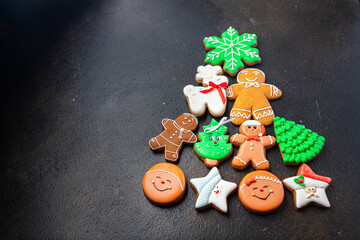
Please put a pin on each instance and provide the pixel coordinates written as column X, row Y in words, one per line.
column 252, row 142
column 164, row 184
column 296, row 143
column 232, row 50
column 175, row 134
column 214, row 146
column 251, row 95
column 212, row 94
column 308, row 188
column 261, row 192
column 212, row 190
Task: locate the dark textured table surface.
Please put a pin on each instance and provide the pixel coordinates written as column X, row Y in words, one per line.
column 85, row 85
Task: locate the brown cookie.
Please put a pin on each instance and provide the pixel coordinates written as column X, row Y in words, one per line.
column 175, row 134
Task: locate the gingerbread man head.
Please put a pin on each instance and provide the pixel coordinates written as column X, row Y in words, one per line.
column 251, row 75
column 252, row 128
column 187, row 121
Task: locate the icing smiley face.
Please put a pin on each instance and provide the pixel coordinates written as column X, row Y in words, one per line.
column 164, row 184
column 252, row 128
column 187, row 121
column 251, row 75
column 261, row 192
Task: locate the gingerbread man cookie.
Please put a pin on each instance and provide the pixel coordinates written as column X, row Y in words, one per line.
column 212, row 94
column 261, row 192
column 308, row 188
column 252, row 95
column 175, row 134
column 252, row 142
column 164, row 184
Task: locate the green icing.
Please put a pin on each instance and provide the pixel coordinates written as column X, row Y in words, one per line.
column 232, row 49
column 297, row 144
column 206, row 147
column 296, row 180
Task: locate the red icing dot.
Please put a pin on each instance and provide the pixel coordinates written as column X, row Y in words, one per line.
column 300, row 180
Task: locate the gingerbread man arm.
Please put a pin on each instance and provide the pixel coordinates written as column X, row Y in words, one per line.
column 268, row 141
column 232, row 91
column 166, row 122
column 192, row 138
column 237, row 139
column 271, row 92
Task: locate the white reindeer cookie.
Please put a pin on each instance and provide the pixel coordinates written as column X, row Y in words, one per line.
column 212, row 94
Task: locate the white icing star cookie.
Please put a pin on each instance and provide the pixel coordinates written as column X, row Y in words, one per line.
column 308, row 188
column 212, row 191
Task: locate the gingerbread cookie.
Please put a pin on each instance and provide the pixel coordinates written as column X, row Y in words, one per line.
column 175, row 134
column 232, row 50
column 252, row 142
column 164, row 184
column 308, row 188
column 261, row 192
column 251, row 95
column 212, row 191
column 212, row 94
column 213, row 147
column 296, row 143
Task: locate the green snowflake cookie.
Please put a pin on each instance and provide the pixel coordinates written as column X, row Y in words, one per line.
column 297, row 144
column 233, row 50
column 213, row 146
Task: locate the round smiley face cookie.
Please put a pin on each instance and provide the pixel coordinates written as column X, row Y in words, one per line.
column 164, row 184
column 261, row 192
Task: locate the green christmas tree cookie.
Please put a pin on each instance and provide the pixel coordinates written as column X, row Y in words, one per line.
column 297, row 144
column 213, row 146
column 232, row 50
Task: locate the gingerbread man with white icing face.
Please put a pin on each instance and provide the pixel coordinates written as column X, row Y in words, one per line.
column 251, row 95
column 175, row 134
column 252, row 142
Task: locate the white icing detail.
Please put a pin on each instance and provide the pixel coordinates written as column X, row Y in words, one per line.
column 171, row 137
column 158, row 170
column 168, row 140
column 229, row 92
column 251, row 144
column 271, row 140
column 234, row 137
column 232, row 45
column 240, row 160
column 154, row 140
column 254, row 84
column 260, row 134
column 265, row 114
column 261, row 162
column 302, row 197
column 206, row 73
column 207, row 187
column 239, row 114
column 263, row 178
column 192, row 116
column 198, row 101
column 181, row 130
column 251, row 149
column 251, row 123
column 235, row 50
column 223, row 121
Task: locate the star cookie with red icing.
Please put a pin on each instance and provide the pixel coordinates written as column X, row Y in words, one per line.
column 308, row 188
